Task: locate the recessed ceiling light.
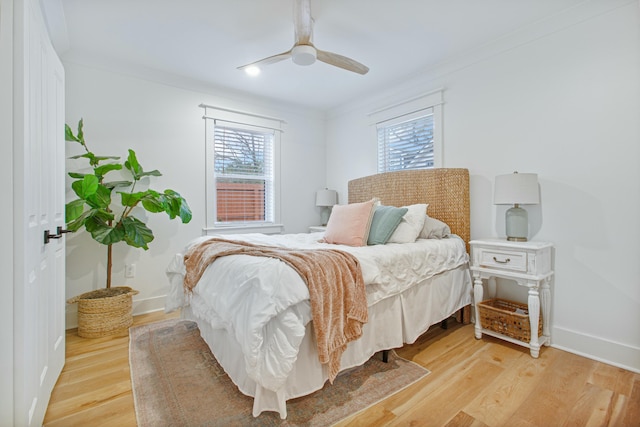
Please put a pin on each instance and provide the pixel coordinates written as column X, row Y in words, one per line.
column 252, row 70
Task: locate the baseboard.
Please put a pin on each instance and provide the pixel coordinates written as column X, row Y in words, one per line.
column 610, row 352
column 148, row 305
column 140, row 306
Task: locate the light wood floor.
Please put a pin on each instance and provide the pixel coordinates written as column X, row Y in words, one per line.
column 473, row 382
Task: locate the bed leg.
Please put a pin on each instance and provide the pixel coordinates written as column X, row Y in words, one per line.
column 463, row 316
column 443, row 324
column 385, row 356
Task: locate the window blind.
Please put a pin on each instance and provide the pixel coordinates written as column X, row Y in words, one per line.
column 243, row 173
column 406, row 142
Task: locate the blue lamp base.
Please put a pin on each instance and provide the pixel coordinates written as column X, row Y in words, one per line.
column 517, row 224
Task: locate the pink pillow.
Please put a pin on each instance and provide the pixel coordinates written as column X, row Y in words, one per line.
column 349, row 224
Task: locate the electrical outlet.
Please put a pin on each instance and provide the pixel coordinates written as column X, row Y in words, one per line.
column 130, row 270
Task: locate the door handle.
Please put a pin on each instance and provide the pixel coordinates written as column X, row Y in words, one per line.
column 59, row 232
column 48, row 236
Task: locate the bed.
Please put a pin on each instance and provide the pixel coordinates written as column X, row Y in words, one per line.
column 275, row 358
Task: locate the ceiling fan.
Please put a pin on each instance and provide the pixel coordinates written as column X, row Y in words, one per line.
column 303, row 51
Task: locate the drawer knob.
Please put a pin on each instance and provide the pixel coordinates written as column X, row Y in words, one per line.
column 506, row 261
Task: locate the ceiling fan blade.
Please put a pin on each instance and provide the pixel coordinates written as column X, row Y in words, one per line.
column 303, row 51
column 303, row 21
column 342, row 62
column 268, row 61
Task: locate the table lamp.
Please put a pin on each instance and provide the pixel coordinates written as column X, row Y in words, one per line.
column 516, row 189
column 326, row 198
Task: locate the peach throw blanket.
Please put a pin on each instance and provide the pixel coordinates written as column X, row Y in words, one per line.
column 334, row 279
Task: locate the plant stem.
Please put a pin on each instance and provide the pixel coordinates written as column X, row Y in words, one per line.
column 109, row 258
column 127, row 209
column 109, row 263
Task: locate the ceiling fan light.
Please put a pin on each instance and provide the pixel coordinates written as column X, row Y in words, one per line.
column 303, row 54
column 252, row 70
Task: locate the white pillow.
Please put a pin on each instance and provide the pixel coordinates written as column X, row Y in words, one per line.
column 434, row 229
column 411, row 224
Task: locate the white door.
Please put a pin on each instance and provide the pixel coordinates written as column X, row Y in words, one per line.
column 39, row 340
column 6, row 213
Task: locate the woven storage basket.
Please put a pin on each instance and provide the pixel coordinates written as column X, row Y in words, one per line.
column 500, row 316
column 104, row 312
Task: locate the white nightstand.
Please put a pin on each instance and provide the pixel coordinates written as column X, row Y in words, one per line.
column 317, row 228
column 528, row 264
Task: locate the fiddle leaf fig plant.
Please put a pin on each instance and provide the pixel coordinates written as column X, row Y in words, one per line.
column 95, row 210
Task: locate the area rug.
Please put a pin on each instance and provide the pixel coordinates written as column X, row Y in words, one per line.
column 177, row 382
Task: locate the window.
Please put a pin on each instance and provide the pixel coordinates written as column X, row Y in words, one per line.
column 409, row 134
column 406, row 143
column 241, row 171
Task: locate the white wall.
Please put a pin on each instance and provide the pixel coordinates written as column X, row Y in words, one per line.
column 561, row 99
column 164, row 125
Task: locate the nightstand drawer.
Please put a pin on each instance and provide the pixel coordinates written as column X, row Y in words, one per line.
column 504, row 260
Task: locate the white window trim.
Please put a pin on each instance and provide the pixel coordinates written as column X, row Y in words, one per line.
column 418, row 105
column 248, row 119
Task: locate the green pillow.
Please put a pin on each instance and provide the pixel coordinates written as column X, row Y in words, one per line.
column 384, row 223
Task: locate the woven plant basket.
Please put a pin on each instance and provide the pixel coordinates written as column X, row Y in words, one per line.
column 104, row 312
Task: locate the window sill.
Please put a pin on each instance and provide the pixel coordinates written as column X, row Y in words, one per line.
column 243, row 229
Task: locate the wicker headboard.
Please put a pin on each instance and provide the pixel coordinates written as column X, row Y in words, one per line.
column 445, row 190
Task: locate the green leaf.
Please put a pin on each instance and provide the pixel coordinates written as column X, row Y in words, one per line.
column 77, row 223
column 131, row 199
column 153, row 204
column 81, row 131
column 82, row 156
column 176, row 205
column 185, row 212
column 86, row 187
column 154, row 172
column 73, row 210
column 104, row 169
column 132, row 164
column 68, row 134
column 101, row 199
column 91, row 219
column 93, row 158
column 114, row 184
column 77, row 175
column 136, row 233
column 102, row 158
column 74, row 226
column 98, row 218
column 172, row 207
column 106, row 235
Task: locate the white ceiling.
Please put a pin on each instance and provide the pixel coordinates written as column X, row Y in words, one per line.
column 205, row 40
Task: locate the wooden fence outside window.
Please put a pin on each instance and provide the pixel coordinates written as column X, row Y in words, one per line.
column 240, row 202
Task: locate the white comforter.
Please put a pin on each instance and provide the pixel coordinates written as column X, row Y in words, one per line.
column 264, row 303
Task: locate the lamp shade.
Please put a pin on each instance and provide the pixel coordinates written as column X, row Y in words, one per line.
column 326, row 197
column 516, row 189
